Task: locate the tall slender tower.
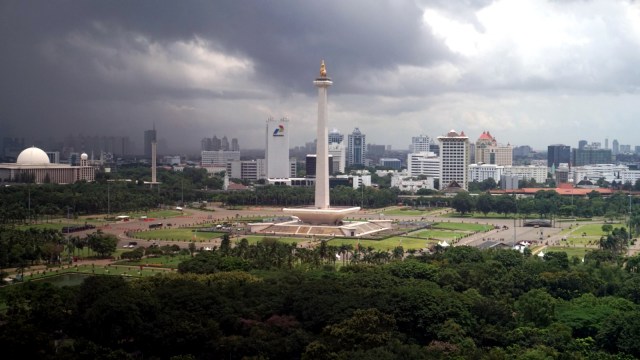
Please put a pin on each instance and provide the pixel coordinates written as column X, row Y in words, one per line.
column 154, row 156
column 322, row 148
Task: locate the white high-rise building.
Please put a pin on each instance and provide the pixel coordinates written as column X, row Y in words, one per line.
column 335, row 136
column 527, row 172
column 218, row 158
column 423, row 163
column 277, row 149
column 454, row 159
column 419, row 144
column 246, row 169
column 482, row 172
column 338, row 152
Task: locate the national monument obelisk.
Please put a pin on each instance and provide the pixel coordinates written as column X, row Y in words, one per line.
column 322, row 146
column 322, row 213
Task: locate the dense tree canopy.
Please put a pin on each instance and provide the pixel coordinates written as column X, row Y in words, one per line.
column 456, row 303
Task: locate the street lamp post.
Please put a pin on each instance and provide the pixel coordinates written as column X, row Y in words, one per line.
column 629, row 217
column 108, row 200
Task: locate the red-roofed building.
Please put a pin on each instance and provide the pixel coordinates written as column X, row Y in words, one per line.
column 488, row 151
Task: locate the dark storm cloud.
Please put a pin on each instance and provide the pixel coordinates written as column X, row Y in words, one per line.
column 50, row 82
column 197, row 68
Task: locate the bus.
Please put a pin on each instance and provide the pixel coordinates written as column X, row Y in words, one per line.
column 155, row 226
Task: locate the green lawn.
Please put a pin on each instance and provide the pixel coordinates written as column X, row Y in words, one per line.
column 179, row 234
column 593, row 229
column 593, row 234
column 384, row 245
column 254, row 239
column 408, row 212
column 51, row 225
column 438, row 234
column 479, row 215
column 157, row 214
column 126, row 270
column 571, row 251
column 463, row 226
column 162, row 261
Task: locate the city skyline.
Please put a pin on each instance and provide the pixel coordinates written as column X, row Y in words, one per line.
column 536, row 72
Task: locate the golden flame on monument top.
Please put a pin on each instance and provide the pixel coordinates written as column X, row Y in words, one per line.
column 323, row 70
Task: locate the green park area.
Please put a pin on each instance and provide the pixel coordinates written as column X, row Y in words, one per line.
column 586, row 234
column 463, row 226
column 129, row 270
column 384, row 245
column 166, row 261
column 571, row 251
column 178, row 234
column 57, row 225
column 408, row 211
column 256, row 239
column 438, row 234
column 154, row 214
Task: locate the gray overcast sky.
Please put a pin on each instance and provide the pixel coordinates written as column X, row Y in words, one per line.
column 531, row 72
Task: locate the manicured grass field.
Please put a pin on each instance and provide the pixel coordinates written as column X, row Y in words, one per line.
column 593, row 229
column 162, row 261
column 124, row 270
column 157, row 214
column 256, row 239
column 463, row 226
column 593, row 234
column 479, row 215
column 384, row 245
column 438, row 234
column 408, row 212
column 50, row 225
column 180, row 234
column 571, row 251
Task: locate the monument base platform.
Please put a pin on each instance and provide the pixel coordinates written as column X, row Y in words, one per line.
column 297, row 228
column 315, row 216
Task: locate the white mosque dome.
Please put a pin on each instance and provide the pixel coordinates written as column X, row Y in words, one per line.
column 32, row 156
column 84, row 156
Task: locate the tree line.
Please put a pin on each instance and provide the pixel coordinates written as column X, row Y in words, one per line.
column 23, row 248
column 457, row 303
column 548, row 203
column 108, row 194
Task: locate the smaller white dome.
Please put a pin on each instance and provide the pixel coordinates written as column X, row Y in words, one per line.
column 32, row 156
column 84, row 156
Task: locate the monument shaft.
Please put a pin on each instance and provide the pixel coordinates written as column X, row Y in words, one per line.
column 322, row 147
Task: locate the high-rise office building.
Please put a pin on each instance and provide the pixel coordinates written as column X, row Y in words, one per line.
column 488, row 151
column 454, row 159
column 356, row 147
column 582, row 144
column 150, row 136
column 419, row 144
column 216, row 144
column 625, row 149
column 339, row 155
column 277, row 149
column 615, row 147
column 606, row 143
column 218, row 158
column 235, row 146
column 335, row 136
column 423, row 163
column 310, row 165
column 558, row 154
column 588, row 156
